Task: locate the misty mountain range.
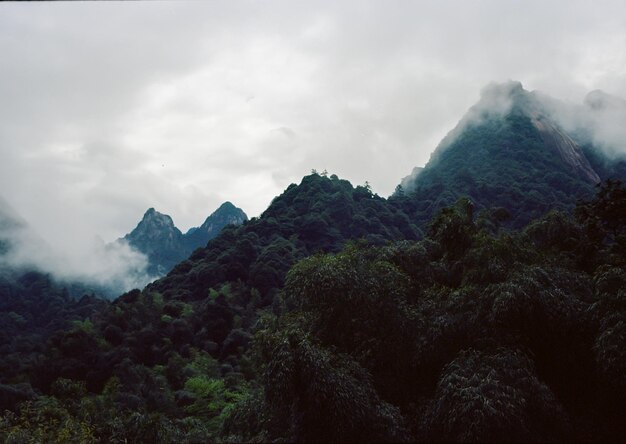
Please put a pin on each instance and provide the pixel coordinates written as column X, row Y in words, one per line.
column 521, row 151
column 484, row 296
column 157, row 237
column 146, row 253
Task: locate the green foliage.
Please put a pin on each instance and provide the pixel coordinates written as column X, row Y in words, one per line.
column 493, row 397
column 500, row 337
column 44, row 421
column 497, row 162
column 290, row 328
column 212, row 400
column 453, row 228
column 323, row 396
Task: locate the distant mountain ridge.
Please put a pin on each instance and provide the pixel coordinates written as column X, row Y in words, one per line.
column 157, row 237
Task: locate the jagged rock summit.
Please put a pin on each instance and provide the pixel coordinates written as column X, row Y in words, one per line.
column 226, row 214
column 154, row 227
column 157, row 237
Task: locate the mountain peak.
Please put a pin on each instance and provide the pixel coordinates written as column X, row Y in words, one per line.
column 226, row 206
column 511, row 136
column 500, row 99
column 153, row 225
column 226, row 214
column 157, row 237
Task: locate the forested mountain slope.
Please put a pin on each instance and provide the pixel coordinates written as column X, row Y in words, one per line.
column 471, row 334
column 320, row 214
column 509, row 151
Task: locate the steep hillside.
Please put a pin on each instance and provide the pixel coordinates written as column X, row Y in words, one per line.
column 509, row 151
column 467, row 335
column 320, row 214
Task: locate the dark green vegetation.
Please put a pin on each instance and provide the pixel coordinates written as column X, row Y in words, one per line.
column 165, row 245
column 470, row 334
column 32, row 307
column 165, row 363
column 514, row 178
column 318, row 215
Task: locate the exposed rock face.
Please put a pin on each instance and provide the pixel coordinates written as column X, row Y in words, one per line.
column 154, row 227
column 569, row 150
column 157, row 237
column 226, row 214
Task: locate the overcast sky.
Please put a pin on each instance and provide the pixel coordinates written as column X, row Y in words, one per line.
column 109, row 108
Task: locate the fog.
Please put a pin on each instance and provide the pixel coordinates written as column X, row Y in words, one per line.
column 108, row 269
column 600, row 120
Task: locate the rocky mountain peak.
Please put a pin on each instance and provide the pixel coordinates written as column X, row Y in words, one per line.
column 157, row 237
column 500, row 99
column 153, row 226
column 152, row 216
column 226, row 214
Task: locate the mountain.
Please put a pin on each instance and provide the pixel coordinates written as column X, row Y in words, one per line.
column 320, row 214
column 337, row 316
column 465, row 335
column 157, row 237
column 226, row 214
column 512, row 150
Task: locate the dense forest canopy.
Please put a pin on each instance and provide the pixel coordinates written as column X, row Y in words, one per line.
column 289, row 328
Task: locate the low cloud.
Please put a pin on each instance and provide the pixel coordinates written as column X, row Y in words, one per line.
column 600, row 120
column 605, row 116
column 110, row 269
